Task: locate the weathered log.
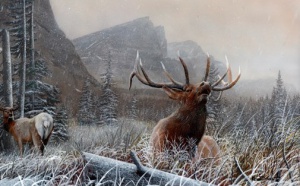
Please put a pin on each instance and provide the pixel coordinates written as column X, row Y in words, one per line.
column 110, row 172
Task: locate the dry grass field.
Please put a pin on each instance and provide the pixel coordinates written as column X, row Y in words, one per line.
column 249, row 161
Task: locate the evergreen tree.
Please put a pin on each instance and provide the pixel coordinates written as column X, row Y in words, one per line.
column 238, row 121
column 60, row 132
column 19, row 11
column 36, row 71
column 277, row 107
column 213, row 103
column 295, row 106
column 132, row 107
column 279, row 99
column 86, row 113
column 109, row 99
column 39, row 96
column 96, row 111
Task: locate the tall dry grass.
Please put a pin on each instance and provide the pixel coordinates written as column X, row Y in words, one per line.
column 245, row 161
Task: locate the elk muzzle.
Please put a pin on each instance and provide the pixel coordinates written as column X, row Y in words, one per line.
column 203, row 91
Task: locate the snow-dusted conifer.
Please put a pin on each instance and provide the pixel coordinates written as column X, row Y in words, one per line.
column 277, row 106
column 213, row 105
column 86, row 105
column 18, row 26
column 60, row 132
column 109, row 99
column 132, row 107
column 279, row 99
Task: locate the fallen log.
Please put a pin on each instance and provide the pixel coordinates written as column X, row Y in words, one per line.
column 108, row 171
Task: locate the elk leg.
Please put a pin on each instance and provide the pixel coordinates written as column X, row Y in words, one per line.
column 45, row 141
column 37, row 141
column 42, row 149
column 20, row 147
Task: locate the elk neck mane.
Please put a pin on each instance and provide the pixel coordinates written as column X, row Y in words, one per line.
column 192, row 120
column 190, row 113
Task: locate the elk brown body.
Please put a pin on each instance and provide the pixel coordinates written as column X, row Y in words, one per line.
column 35, row 131
column 208, row 148
column 187, row 123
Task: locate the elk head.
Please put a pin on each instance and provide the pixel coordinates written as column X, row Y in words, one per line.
column 8, row 113
column 189, row 121
column 191, row 94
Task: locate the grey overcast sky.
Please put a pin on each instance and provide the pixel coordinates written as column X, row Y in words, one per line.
column 262, row 37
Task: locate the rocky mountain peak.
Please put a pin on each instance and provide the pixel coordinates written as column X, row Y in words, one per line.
column 123, row 41
column 186, row 49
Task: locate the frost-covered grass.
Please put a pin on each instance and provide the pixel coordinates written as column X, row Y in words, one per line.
column 243, row 161
column 58, row 168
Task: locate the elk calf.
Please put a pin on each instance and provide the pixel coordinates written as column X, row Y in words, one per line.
column 188, row 123
column 35, row 131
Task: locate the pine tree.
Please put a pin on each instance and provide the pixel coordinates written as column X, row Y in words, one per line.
column 132, row 107
column 95, row 110
column 86, row 113
column 238, row 122
column 109, row 99
column 277, row 107
column 39, row 96
column 60, row 132
column 295, row 106
column 214, row 104
column 19, row 11
column 280, row 96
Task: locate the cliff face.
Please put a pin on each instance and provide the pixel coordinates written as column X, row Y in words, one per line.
column 68, row 72
column 122, row 42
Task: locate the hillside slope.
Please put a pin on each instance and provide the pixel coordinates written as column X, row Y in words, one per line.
column 68, row 72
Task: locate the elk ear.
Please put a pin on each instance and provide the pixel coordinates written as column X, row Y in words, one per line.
column 173, row 94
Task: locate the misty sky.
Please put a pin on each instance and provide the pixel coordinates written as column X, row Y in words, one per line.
column 261, row 36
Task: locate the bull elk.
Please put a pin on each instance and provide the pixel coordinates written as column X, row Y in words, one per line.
column 35, row 131
column 188, row 123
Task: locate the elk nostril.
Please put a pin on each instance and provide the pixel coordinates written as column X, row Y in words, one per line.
column 202, row 83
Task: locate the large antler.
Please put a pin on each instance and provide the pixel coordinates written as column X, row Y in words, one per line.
column 143, row 77
column 230, row 83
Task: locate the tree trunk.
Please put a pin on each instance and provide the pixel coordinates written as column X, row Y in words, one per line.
column 5, row 138
column 32, row 59
column 7, row 78
column 23, row 64
column 111, row 172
